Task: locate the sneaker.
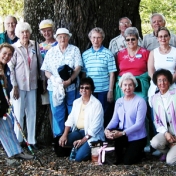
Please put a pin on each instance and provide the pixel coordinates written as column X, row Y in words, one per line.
column 163, row 158
column 12, row 162
column 24, row 156
column 156, row 153
column 147, row 149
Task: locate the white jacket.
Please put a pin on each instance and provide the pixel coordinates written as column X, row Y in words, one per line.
column 93, row 120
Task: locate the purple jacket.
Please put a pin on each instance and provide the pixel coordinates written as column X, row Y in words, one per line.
column 130, row 117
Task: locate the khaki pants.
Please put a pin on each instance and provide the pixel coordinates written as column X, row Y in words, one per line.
column 160, row 143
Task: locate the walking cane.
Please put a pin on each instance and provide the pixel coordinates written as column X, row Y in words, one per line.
column 18, row 124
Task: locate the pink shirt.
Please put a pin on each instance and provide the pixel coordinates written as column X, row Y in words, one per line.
column 23, row 74
column 137, row 65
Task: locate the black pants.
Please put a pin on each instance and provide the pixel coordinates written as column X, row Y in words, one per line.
column 129, row 152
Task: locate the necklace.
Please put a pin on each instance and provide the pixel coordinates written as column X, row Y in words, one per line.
column 131, row 58
column 164, row 51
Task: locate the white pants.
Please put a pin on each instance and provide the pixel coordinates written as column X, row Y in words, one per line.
column 160, row 143
column 26, row 105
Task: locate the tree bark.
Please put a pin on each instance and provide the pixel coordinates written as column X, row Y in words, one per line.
column 80, row 16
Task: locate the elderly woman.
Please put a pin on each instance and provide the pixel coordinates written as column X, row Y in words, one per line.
column 162, row 57
column 60, row 55
column 85, row 120
column 7, row 134
column 127, row 125
column 133, row 59
column 46, row 28
column 23, row 67
column 99, row 64
column 164, row 110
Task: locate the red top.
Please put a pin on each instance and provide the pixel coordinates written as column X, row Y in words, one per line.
column 137, row 65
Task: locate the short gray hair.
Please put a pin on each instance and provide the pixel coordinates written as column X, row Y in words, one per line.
column 98, row 30
column 125, row 18
column 127, row 76
column 157, row 14
column 131, row 31
column 22, row 26
column 44, row 23
column 10, row 16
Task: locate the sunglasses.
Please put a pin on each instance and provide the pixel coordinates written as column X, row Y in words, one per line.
column 131, row 39
column 86, row 88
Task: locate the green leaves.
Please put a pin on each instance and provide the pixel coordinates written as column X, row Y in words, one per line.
column 165, row 7
column 11, row 7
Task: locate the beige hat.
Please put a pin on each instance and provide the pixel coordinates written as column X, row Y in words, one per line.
column 45, row 26
column 62, row 31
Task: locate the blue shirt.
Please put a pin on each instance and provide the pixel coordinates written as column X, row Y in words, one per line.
column 98, row 65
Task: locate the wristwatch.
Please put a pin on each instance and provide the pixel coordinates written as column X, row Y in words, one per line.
column 87, row 136
column 123, row 133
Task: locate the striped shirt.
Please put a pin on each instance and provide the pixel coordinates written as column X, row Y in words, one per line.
column 98, row 65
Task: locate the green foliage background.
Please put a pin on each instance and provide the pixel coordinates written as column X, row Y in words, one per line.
column 166, row 7
column 147, row 7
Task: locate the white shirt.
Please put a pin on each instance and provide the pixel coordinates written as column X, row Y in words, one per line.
column 93, row 119
column 55, row 58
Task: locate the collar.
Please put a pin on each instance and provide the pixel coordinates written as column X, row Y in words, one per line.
column 100, row 49
column 18, row 44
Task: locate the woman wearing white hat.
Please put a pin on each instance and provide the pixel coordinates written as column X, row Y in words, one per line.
column 62, row 54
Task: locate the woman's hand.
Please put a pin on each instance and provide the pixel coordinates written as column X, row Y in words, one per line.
column 113, row 134
column 15, row 92
column 67, row 83
column 63, row 140
column 80, row 142
column 108, row 134
column 170, row 138
column 110, row 96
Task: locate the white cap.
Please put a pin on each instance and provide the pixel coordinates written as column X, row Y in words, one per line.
column 62, row 31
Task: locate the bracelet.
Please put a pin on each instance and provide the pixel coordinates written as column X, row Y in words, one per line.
column 110, row 90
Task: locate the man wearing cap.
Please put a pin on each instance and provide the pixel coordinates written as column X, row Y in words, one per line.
column 62, row 54
column 118, row 43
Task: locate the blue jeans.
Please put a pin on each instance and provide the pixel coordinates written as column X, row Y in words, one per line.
column 59, row 112
column 107, row 107
column 83, row 152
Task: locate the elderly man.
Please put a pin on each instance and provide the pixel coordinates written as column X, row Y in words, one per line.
column 9, row 35
column 118, row 43
column 150, row 41
column 99, row 64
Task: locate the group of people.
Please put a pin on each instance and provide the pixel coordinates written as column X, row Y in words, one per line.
column 120, row 73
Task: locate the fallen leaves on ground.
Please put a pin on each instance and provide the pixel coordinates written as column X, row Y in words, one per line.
column 61, row 166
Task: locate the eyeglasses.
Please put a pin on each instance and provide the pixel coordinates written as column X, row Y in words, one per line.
column 124, row 24
column 86, row 88
column 162, row 80
column 13, row 24
column 164, row 36
column 130, row 39
column 98, row 38
column 62, row 37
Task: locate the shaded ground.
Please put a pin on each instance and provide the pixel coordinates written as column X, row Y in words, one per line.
column 56, row 166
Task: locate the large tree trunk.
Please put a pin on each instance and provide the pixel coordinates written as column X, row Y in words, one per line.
column 80, row 16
